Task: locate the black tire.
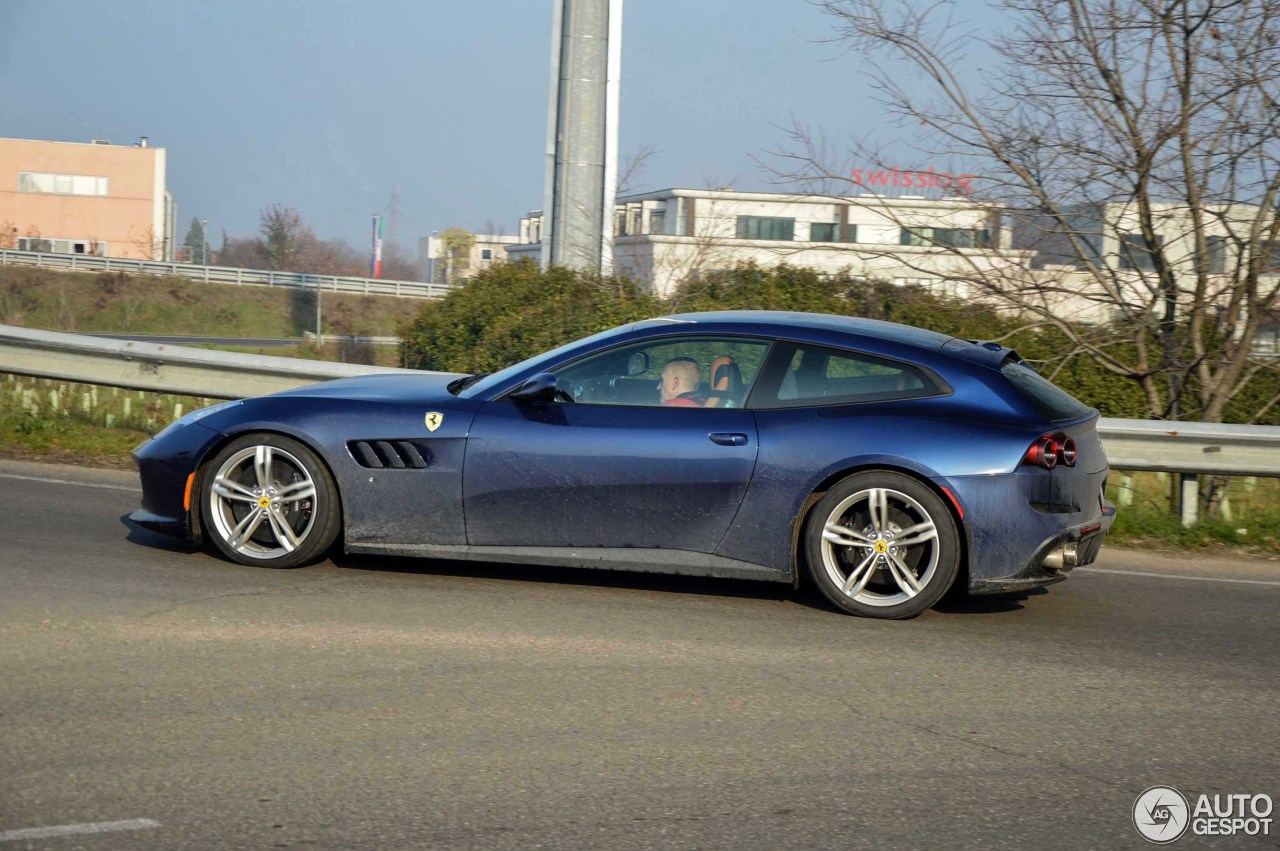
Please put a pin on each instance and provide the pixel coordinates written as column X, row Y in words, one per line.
column 858, row 563
column 268, row 500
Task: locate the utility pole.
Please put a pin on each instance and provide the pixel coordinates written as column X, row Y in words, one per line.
column 582, row 134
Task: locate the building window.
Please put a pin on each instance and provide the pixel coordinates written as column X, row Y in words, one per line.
column 62, row 246
column 61, row 184
column 1217, row 250
column 765, row 227
column 486, row 254
column 1270, row 256
column 823, row 232
column 1134, row 253
column 947, row 237
column 657, row 221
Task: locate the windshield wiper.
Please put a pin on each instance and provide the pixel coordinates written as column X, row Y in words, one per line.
column 459, row 384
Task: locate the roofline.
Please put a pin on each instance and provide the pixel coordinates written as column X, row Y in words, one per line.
column 85, row 144
column 864, row 199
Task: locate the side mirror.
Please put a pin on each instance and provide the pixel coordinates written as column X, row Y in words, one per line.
column 537, row 390
column 637, row 364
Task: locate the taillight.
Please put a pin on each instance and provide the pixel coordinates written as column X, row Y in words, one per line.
column 1050, row 449
column 1042, row 453
column 1067, row 450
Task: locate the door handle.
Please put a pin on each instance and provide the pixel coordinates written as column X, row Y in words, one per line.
column 726, row 438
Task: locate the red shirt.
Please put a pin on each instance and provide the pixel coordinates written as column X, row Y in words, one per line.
column 680, row 402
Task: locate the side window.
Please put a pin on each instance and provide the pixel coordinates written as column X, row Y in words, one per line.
column 805, row 375
column 691, row 372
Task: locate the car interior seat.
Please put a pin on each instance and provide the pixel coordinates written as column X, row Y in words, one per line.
column 726, row 384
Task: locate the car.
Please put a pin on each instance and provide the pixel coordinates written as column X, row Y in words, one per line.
column 889, row 464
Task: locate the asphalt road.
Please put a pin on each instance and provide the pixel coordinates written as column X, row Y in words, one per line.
column 379, row 703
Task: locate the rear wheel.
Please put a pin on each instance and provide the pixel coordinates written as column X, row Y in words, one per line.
column 883, row 545
column 268, row 500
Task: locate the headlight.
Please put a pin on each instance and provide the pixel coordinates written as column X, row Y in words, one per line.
column 197, row 416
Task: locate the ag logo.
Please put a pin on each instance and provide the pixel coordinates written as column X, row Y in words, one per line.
column 1161, row 814
column 433, row 421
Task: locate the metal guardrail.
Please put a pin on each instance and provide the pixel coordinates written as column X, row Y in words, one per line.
column 224, row 274
column 1190, row 447
column 161, row 367
column 1186, row 448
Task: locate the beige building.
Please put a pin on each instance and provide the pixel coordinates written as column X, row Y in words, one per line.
column 664, row 238
column 436, row 267
column 90, row 198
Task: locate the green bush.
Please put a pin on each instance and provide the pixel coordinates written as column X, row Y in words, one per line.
column 514, row 310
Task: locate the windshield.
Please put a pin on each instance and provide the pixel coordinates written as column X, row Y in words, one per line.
column 494, row 379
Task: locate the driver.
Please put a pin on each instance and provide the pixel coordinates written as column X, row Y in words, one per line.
column 681, row 383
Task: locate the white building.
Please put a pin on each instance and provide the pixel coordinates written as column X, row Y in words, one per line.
column 434, row 265
column 1100, row 250
column 663, row 238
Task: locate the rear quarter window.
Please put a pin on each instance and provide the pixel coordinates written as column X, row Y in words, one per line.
column 1047, row 397
column 807, row 375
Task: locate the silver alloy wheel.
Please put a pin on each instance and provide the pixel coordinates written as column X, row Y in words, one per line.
column 880, row 547
column 262, row 502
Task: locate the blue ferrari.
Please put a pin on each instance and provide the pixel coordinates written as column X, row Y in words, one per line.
column 887, row 463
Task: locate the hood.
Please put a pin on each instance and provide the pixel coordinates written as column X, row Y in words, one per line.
column 379, row 387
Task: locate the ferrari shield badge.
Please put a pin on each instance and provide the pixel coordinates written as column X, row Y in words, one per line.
column 434, row 420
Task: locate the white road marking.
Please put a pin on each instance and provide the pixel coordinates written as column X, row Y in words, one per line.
column 1176, row 576
column 68, row 482
column 75, row 829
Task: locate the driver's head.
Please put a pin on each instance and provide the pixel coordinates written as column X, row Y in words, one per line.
column 680, row 375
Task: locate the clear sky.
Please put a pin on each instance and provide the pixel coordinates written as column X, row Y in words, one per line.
column 325, row 105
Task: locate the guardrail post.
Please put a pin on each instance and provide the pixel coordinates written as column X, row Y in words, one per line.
column 1189, row 497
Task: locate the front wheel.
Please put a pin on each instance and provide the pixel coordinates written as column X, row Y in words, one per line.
column 269, row 500
column 881, row 544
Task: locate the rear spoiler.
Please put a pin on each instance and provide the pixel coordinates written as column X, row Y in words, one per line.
column 988, row 354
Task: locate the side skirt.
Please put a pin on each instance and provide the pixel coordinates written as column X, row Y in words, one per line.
column 678, row 562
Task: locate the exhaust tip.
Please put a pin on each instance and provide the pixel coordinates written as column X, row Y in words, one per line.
column 1064, row 557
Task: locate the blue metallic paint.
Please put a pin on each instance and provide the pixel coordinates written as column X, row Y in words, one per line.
column 535, row 477
column 582, row 484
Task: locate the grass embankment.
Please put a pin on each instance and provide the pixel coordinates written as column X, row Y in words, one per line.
column 63, row 421
column 112, row 302
column 1146, row 517
column 82, row 423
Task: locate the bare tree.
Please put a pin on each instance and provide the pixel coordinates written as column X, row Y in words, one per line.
column 145, row 242
column 8, row 234
column 633, row 167
column 1133, row 144
column 282, row 233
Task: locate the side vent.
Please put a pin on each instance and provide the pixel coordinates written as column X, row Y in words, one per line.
column 396, row 454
